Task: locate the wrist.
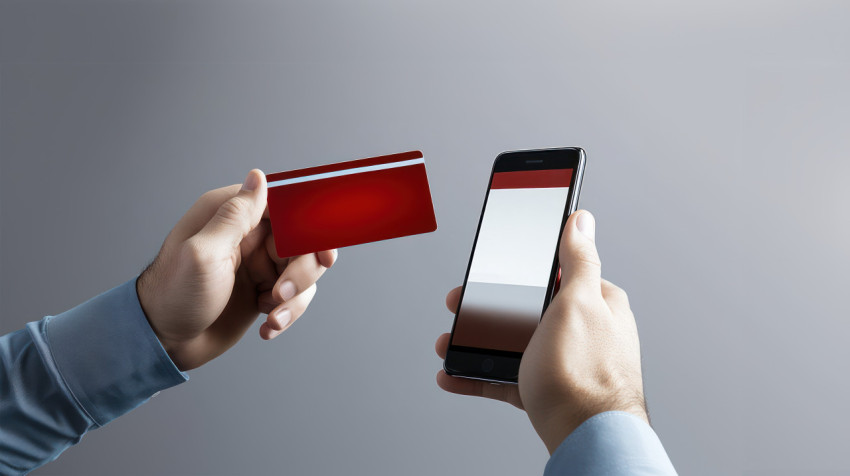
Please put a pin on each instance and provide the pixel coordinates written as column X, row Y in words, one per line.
column 145, row 293
column 122, row 364
column 561, row 423
column 555, row 428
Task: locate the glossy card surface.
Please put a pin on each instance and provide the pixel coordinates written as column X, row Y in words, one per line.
column 350, row 203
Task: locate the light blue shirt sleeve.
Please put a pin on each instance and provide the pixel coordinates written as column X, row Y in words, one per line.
column 67, row 374
column 612, row 444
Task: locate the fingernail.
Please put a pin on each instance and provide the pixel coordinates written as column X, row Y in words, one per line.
column 283, row 318
column 586, row 225
column 287, row 290
column 251, row 182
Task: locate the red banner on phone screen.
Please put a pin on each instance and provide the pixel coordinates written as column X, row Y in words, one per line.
column 533, row 179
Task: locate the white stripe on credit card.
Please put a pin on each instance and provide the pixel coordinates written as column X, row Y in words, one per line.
column 339, row 173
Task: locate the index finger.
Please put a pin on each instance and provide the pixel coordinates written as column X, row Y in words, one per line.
column 442, row 345
column 453, row 299
column 326, row 258
column 478, row 388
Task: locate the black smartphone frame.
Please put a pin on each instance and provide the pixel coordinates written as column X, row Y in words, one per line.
column 498, row 365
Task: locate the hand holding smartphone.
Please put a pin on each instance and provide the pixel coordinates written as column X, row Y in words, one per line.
column 513, row 269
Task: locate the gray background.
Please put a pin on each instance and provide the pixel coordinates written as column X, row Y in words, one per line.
column 717, row 137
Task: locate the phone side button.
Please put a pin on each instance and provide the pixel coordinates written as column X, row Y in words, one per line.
column 487, row 365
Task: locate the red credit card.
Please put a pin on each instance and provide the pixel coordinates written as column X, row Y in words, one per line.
column 349, row 203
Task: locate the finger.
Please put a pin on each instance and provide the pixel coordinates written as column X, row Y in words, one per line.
column 261, row 269
column 283, row 316
column 266, row 302
column 453, row 299
column 301, row 272
column 478, row 388
column 580, row 265
column 615, row 296
column 280, row 263
column 267, row 333
column 287, row 313
column 442, row 345
column 327, row 258
column 238, row 215
column 255, row 240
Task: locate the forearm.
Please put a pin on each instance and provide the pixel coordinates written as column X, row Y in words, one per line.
column 79, row 370
column 40, row 418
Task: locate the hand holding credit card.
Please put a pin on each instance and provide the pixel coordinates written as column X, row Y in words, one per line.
column 349, row 203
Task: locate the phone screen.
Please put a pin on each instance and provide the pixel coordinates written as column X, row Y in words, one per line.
column 511, row 266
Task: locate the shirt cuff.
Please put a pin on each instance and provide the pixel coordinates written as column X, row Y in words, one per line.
column 611, row 443
column 106, row 353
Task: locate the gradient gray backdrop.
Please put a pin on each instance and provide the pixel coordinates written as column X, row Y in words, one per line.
column 717, row 138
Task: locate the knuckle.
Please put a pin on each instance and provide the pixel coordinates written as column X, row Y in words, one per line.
column 613, row 292
column 194, row 251
column 624, row 296
column 619, row 292
column 309, row 294
column 234, row 209
column 588, row 256
column 582, row 252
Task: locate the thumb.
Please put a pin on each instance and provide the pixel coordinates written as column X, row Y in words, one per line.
column 240, row 214
column 580, row 265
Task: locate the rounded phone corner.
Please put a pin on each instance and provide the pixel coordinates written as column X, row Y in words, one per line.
column 446, row 368
column 499, row 157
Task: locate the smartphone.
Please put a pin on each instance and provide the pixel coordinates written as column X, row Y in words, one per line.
column 513, row 269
